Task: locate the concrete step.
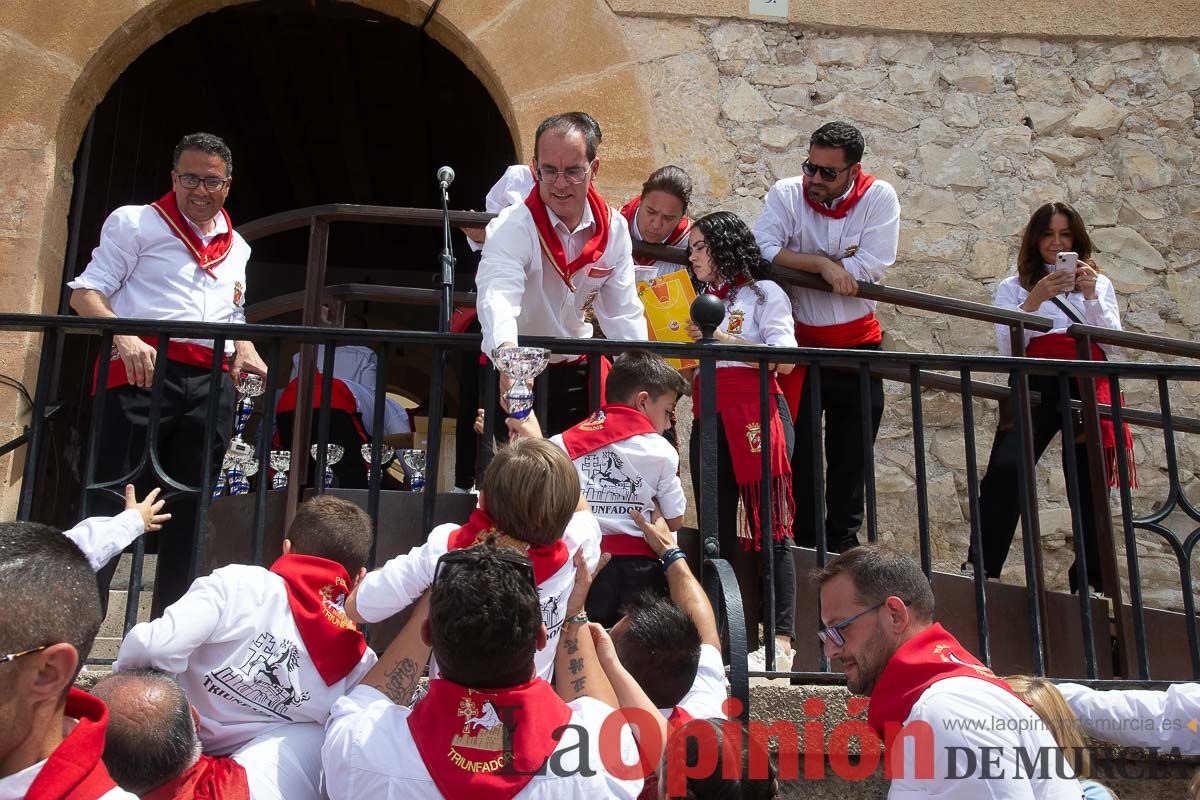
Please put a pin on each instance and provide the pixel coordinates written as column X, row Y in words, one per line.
column 114, row 623
column 121, row 576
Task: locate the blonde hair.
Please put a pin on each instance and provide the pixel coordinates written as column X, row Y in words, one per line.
column 531, row 489
column 1050, row 705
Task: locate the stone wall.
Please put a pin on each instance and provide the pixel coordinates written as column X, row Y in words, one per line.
column 974, row 134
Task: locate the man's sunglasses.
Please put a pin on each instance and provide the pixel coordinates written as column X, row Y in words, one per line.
column 828, row 173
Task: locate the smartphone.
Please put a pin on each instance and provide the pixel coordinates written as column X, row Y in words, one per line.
column 1066, row 262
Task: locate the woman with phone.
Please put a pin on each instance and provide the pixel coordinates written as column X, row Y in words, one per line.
column 1055, row 278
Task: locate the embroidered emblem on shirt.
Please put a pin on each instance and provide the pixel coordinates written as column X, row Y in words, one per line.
column 851, row 250
column 736, row 318
column 588, row 313
column 482, row 730
column 238, row 291
column 333, row 601
column 754, row 436
column 593, row 423
column 267, row 681
column 944, row 652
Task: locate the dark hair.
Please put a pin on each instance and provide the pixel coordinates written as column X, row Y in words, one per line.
column 639, row 371
column 484, row 618
column 1030, row 264
column 204, row 143
column 843, row 135
column 714, row 785
column 880, row 572
column 531, row 489
column 53, row 597
column 151, row 736
column 672, row 180
column 660, row 647
column 328, row 527
column 568, row 122
column 733, row 250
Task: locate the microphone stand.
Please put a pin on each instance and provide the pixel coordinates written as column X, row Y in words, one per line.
column 447, row 264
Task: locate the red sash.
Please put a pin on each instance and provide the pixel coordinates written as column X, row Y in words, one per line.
column 861, row 184
column 462, row 317
column 340, row 399
column 486, row 743
column 552, row 246
column 316, row 590
column 547, row 559
column 629, row 212
column 207, row 256
column 864, row 330
column 930, row 656
column 614, row 422
column 208, row 779
column 1062, row 346
column 190, row 353
column 75, row 771
column 737, row 401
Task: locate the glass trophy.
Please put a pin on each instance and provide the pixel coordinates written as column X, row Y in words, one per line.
column 385, row 455
column 281, row 461
column 240, row 475
column 522, row 365
column 415, row 461
column 333, row 454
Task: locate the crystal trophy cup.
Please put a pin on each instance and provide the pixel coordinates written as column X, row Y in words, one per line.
column 522, row 365
column 385, row 455
column 415, row 460
column 239, row 463
column 239, row 477
column 333, row 454
column 281, row 461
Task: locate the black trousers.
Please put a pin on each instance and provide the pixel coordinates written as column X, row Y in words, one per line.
column 845, row 472
column 466, row 441
column 568, row 400
column 181, row 441
column 350, row 472
column 999, row 491
column 624, row 578
column 727, row 506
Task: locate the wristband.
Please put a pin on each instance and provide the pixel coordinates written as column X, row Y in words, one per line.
column 581, row 617
column 670, row 556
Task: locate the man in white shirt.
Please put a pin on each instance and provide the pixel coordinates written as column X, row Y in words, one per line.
column 175, row 259
column 877, row 619
column 840, row 223
column 555, row 261
column 51, row 735
column 1139, row 717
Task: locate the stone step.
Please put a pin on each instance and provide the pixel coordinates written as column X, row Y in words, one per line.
column 106, row 647
column 121, row 576
column 114, row 623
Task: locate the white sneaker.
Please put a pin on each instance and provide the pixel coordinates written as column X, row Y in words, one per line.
column 783, row 660
column 757, row 661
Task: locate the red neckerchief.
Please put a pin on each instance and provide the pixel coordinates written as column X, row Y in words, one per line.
column 75, row 771
column 678, row 719
column 722, row 291
column 316, row 590
column 629, row 212
column 1062, row 346
column 208, row 779
column 861, row 184
column 552, row 246
column 207, row 256
column 614, row 422
column 486, row 743
column 737, row 399
column 547, row 559
column 930, row 656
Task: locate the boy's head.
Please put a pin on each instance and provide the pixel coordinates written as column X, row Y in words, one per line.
column 648, row 383
column 531, row 489
column 660, row 647
column 330, row 528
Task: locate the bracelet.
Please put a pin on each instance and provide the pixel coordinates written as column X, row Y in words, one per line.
column 581, row 617
column 670, row 556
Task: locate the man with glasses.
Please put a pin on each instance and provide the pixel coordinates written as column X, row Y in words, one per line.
column 555, row 262
column 51, row 735
column 840, row 223
column 176, row 259
column 877, row 620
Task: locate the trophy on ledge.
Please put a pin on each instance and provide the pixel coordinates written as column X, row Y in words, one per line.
column 240, row 475
column 415, row 461
column 333, row 454
column 281, row 461
column 522, row 364
column 239, row 463
column 385, row 455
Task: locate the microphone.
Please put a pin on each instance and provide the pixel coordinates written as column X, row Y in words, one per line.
column 445, row 176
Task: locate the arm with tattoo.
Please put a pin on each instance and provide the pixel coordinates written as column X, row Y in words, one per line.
column 399, row 669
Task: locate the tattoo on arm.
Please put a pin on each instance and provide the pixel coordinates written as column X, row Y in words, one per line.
column 572, row 645
column 576, row 666
column 579, row 684
column 401, row 681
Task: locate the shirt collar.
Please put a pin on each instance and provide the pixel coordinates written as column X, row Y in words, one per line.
column 834, row 202
column 218, row 230
column 586, row 221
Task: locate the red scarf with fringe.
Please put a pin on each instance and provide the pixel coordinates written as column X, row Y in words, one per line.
column 547, row 559
column 737, row 401
column 1062, row 346
column 208, row 779
column 317, row 589
column 864, row 330
column 207, row 256
column 861, row 184
column 629, row 212
column 552, row 246
column 75, row 771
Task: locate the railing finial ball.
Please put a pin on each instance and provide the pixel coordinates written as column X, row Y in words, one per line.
column 707, row 312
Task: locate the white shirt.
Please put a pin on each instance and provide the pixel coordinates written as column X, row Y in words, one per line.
column 1103, row 312
column 628, row 475
column 1139, row 717
column 513, row 187
column 103, row 538
column 519, row 289
column 356, row 367
column 285, row 763
column 972, row 714
column 370, row 753
column 146, row 272
column 403, row 579
column 873, row 226
column 767, row 321
column 709, row 690
column 233, row 643
column 16, row 786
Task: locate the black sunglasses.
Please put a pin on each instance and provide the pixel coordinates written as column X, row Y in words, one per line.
column 506, row 554
column 828, row 173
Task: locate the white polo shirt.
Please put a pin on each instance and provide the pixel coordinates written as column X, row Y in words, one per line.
column 709, row 690
column 763, row 321
column 146, row 272
column 872, row 226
